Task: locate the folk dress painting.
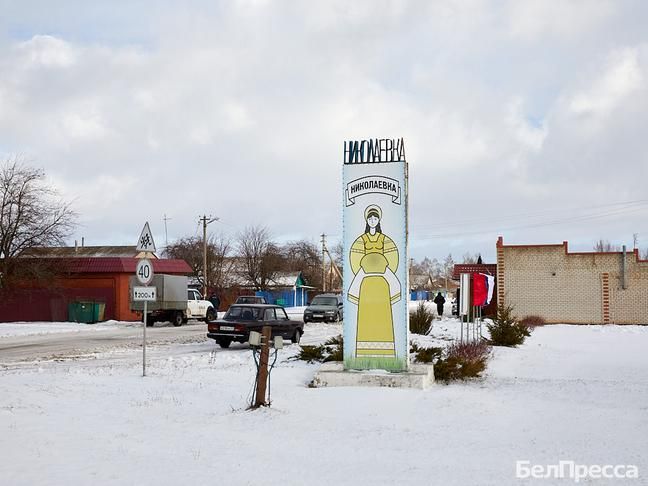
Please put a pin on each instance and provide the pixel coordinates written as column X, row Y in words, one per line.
column 375, row 277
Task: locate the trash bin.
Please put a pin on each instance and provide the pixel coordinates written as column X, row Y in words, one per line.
column 99, row 311
column 81, row 312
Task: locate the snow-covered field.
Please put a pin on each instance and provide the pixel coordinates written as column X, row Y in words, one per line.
column 10, row 329
column 575, row 393
column 39, row 328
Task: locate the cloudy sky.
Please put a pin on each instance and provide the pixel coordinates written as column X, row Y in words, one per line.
column 525, row 119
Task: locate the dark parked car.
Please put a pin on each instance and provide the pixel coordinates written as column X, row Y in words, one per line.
column 324, row 307
column 240, row 319
column 250, row 299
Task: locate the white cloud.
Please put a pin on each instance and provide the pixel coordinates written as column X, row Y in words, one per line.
column 241, row 110
column 47, row 51
column 87, row 126
column 535, row 19
column 96, row 193
column 530, row 135
column 622, row 77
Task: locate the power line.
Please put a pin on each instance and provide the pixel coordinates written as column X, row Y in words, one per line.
column 532, row 215
column 574, row 219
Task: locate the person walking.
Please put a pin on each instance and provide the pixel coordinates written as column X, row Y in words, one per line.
column 215, row 301
column 439, row 300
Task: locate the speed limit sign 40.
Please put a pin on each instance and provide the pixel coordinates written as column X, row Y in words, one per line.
column 144, row 271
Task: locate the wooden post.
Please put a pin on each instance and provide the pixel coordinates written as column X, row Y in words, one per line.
column 263, row 367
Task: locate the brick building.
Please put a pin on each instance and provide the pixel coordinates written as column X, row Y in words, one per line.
column 97, row 274
column 573, row 287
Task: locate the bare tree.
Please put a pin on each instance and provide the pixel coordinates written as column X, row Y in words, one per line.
column 427, row 267
column 190, row 249
column 338, row 254
column 304, row 256
column 605, row 246
column 261, row 257
column 447, row 269
column 436, row 269
column 32, row 214
column 470, row 258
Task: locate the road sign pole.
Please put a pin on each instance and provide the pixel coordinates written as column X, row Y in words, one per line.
column 144, row 273
column 144, row 341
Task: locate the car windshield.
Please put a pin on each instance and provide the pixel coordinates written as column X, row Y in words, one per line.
column 324, row 301
column 240, row 313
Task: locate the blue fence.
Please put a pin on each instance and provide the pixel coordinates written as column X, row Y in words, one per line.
column 427, row 295
column 286, row 298
column 419, row 295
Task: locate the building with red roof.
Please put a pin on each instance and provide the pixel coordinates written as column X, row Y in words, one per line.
column 97, row 274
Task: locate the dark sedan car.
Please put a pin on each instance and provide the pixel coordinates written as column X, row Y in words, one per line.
column 241, row 319
column 325, row 307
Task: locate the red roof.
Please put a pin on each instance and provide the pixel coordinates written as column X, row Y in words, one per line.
column 117, row 265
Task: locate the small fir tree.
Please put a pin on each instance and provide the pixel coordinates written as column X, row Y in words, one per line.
column 506, row 330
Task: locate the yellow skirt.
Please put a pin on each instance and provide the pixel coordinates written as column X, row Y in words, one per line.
column 375, row 324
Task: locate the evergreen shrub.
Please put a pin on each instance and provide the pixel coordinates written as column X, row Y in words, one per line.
column 425, row 355
column 421, row 319
column 506, row 330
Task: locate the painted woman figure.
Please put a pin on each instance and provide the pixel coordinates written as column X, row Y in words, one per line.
column 375, row 288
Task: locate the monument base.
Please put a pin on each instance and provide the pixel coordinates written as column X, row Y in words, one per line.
column 333, row 374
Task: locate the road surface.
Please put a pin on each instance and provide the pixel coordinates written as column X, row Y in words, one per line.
column 66, row 345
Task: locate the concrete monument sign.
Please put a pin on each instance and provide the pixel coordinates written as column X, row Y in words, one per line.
column 376, row 330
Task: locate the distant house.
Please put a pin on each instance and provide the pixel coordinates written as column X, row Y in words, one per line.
column 420, row 286
column 84, row 252
column 425, row 287
column 288, row 289
column 94, row 274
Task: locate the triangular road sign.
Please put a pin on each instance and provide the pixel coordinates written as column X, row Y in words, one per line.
column 145, row 241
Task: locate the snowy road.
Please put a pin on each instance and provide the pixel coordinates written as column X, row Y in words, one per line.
column 68, row 343
column 571, row 393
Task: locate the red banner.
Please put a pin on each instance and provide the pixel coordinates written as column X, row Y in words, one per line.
column 480, row 289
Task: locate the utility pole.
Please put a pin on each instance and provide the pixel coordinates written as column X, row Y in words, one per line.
column 333, row 264
column 166, row 234
column 323, row 262
column 205, row 221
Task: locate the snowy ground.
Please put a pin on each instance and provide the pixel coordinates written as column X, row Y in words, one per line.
column 9, row 329
column 571, row 393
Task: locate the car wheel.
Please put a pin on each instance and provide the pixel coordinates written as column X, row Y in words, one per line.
column 224, row 342
column 211, row 315
column 296, row 337
column 150, row 321
column 177, row 319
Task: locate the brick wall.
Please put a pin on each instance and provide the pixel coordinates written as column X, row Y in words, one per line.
column 549, row 281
